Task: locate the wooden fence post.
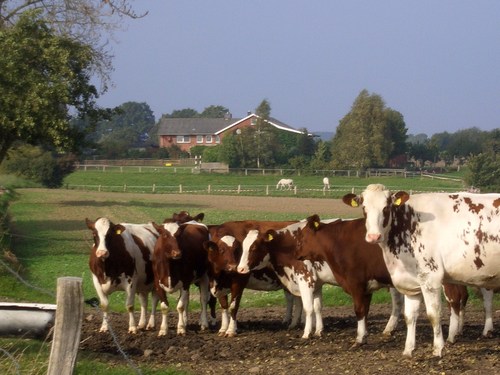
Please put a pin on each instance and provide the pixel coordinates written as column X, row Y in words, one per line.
column 67, row 327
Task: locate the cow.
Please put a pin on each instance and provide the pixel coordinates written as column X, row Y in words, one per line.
column 284, row 183
column 357, row 266
column 429, row 239
column 183, row 217
column 120, row 259
column 326, row 183
column 179, row 261
column 304, row 271
column 224, row 251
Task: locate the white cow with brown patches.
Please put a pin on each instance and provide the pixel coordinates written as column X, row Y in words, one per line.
column 430, row 239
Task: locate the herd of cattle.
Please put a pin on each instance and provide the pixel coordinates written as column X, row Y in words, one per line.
column 416, row 245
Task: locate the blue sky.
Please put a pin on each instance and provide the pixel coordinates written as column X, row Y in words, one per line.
column 436, row 62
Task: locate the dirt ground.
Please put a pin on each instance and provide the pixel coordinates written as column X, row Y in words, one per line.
column 265, row 346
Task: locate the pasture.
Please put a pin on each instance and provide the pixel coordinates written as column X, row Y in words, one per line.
column 50, row 240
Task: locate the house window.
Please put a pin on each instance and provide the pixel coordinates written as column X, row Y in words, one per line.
column 183, row 139
column 199, row 139
column 208, row 139
column 217, row 139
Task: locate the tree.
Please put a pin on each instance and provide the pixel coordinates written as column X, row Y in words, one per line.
column 484, row 171
column 44, row 77
column 368, row 135
column 214, row 111
column 85, row 22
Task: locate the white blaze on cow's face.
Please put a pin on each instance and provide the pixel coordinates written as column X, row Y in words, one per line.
column 172, row 228
column 376, row 201
column 243, row 266
column 102, row 227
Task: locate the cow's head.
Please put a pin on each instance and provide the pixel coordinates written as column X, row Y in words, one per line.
column 377, row 203
column 255, row 254
column 183, row 217
column 306, row 234
column 222, row 253
column 104, row 233
column 167, row 241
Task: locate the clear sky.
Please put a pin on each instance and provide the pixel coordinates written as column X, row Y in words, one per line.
column 436, row 62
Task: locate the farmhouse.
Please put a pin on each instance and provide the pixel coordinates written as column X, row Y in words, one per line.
column 189, row 132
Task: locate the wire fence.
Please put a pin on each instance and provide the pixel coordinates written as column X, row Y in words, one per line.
column 16, row 366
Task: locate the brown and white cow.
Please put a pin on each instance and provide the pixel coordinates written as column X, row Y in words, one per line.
column 225, row 280
column 225, row 246
column 357, row 266
column 430, row 239
column 309, row 254
column 179, row 261
column 120, row 259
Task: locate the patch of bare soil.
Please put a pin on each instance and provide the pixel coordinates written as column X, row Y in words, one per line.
column 265, row 346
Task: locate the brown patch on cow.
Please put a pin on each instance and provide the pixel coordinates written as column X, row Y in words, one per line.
column 119, row 260
column 476, row 208
column 496, row 203
column 478, row 262
column 431, row 264
column 146, row 256
column 403, row 228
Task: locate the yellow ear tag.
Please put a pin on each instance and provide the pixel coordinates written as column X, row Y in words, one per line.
column 397, row 202
column 118, row 231
column 316, row 224
column 269, row 237
column 354, row 203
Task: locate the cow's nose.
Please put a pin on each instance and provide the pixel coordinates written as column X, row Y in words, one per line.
column 243, row 270
column 373, row 237
column 232, row 267
column 101, row 253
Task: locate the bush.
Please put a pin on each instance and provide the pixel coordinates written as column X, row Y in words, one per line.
column 484, row 172
column 33, row 163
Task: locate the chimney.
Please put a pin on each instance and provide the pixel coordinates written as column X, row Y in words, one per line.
column 228, row 116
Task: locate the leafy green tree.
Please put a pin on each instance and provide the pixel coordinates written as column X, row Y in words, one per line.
column 367, row 135
column 214, row 111
column 183, row 113
column 44, row 77
column 85, row 22
column 484, row 171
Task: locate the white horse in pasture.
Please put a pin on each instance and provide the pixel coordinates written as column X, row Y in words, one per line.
column 326, row 183
column 285, row 183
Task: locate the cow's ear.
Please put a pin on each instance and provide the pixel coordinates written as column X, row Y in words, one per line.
column 199, row 218
column 118, row 229
column 352, row 200
column 90, row 224
column 209, row 246
column 314, row 222
column 400, row 198
column 270, row 235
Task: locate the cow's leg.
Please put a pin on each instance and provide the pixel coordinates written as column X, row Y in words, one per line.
column 361, row 307
column 225, row 315
column 130, row 308
column 412, row 307
column 457, row 296
column 297, row 311
column 143, row 300
column 397, row 307
column 317, row 306
column 164, row 311
column 182, row 305
column 204, row 297
column 212, row 303
column 488, row 308
column 306, row 293
column 154, row 306
column 236, row 294
column 289, row 307
column 432, row 299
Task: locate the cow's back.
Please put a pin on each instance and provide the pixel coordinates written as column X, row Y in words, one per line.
column 458, row 234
